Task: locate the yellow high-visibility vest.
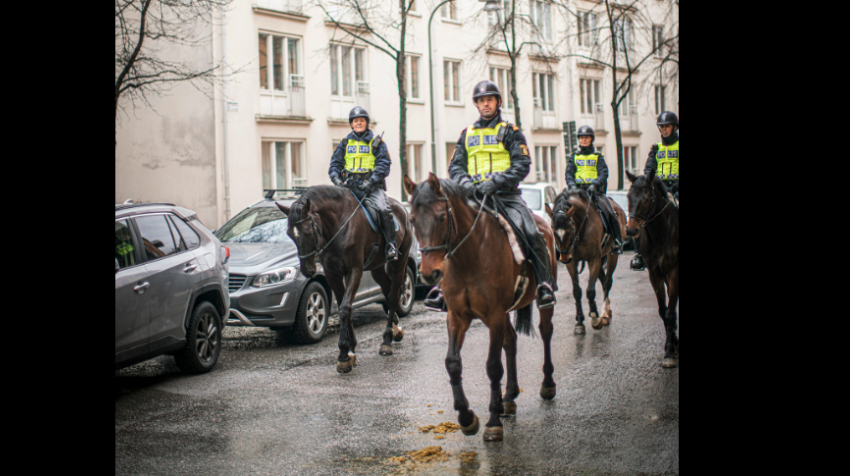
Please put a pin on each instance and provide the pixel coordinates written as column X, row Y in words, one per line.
column 487, row 156
column 668, row 161
column 359, row 157
column 586, row 168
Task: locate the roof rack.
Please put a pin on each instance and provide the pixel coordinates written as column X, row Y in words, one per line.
column 271, row 192
column 132, row 205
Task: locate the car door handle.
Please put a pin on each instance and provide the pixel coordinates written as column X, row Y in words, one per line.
column 141, row 287
column 190, row 267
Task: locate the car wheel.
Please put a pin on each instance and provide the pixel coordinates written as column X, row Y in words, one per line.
column 203, row 340
column 407, row 293
column 311, row 320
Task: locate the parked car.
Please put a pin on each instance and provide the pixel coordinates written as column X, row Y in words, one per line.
column 170, row 287
column 620, row 196
column 266, row 286
column 536, row 195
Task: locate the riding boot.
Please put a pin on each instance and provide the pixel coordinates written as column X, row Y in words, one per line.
column 637, row 263
column 618, row 235
column 388, row 225
column 434, row 300
column 543, row 272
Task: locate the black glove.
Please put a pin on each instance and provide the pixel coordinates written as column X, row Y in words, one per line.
column 367, row 186
column 591, row 190
column 469, row 188
column 337, row 181
column 653, row 150
column 674, row 189
column 488, row 187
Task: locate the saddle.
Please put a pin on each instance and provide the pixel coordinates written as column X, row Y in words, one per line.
column 373, row 216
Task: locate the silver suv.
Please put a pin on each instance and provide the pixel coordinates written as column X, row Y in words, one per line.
column 170, row 287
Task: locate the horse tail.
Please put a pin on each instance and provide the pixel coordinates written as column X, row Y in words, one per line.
column 523, row 320
column 582, row 263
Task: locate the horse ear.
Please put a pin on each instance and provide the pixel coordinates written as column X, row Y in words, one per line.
column 549, row 211
column 434, row 182
column 570, row 210
column 650, row 176
column 409, row 185
column 305, row 208
column 631, row 176
column 283, row 208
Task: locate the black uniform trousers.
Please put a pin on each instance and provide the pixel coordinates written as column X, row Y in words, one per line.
column 609, row 218
column 376, row 199
column 514, row 208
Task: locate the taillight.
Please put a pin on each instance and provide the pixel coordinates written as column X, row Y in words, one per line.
column 226, row 252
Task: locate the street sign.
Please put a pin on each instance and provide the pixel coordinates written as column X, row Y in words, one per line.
column 570, row 139
column 232, row 106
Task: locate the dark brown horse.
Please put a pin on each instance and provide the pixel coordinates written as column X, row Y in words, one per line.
column 654, row 218
column 578, row 236
column 469, row 252
column 327, row 225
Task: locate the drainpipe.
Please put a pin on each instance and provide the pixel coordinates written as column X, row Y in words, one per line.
column 224, row 106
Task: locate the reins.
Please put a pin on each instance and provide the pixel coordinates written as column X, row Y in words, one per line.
column 578, row 233
column 320, row 250
column 448, row 244
column 652, row 205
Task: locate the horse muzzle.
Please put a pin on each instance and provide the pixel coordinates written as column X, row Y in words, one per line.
column 433, row 278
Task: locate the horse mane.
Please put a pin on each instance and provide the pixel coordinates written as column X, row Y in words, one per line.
column 656, row 182
column 562, row 202
column 320, row 192
column 426, row 196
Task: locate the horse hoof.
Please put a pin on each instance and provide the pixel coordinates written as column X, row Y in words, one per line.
column 398, row 337
column 493, row 433
column 606, row 321
column 547, row 393
column 669, row 363
column 344, row 367
column 386, row 349
column 579, row 330
column 473, row 427
column 508, row 408
column 353, row 359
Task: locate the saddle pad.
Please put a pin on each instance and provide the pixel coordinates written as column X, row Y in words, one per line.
column 373, row 217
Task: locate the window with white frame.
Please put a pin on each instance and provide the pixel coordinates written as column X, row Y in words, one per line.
column 545, row 159
column 414, row 8
column 589, row 95
column 449, row 11
column 588, row 35
column 543, row 87
column 657, row 39
column 623, row 33
column 541, row 18
column 497, row 17
column 281, row 5
column 279, row 61
column 660, row 106
column 502, row 78
column 451, row 81
column 414, row 162
column 283, row 164
column 348, row 70
column 411, row 77
column 599, row 149
column 628, row 104
column 630, row 157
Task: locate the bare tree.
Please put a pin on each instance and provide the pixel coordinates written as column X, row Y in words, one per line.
column 142, row 29
column 367, row 21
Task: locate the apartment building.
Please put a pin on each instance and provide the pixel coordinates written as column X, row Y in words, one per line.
column 275, row 124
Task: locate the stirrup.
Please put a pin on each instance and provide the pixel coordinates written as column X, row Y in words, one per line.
column 541, row 294
column 618, row 247
column 436, row 303
column 392, row 254
column 637, row 264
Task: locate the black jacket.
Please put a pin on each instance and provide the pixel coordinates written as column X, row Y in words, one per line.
column 514, row 142
column 382, row 158
column 651, row 162
column 601, row 181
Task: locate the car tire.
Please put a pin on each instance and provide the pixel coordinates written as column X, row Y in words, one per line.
column 203, row 340
column 407, row 294
column 311, row 320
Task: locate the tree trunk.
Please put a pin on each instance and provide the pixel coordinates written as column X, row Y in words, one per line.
column 402, row 103
column 614, row 103
column 513, row 55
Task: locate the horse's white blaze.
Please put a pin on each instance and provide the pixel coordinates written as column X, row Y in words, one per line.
column 561, row 232
column 295, row 231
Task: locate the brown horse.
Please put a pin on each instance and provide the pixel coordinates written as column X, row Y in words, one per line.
column 469, row 252
column 578, row 235
column 654, row 218
column 327, row 225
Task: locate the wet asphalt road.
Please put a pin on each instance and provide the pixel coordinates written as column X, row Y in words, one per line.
column 270, row 407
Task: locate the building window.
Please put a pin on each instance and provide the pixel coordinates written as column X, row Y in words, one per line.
column 660, row 92
column 502, row 78
column 545, row 158
column 451, row 81
column 599, row 149
column 541, row 18
column 413, row 7
column 449, row 11
column 348, row 70
column 657, row 39
column 281, row 5
column 587, row 33
column 623, row 32
column 589, row 95
column 414, row 162
column 411, row 77
column 543, row 87
column 279, row 61
column 497, row 17
column 630, row 158
column 283, row 165
column 628, row 105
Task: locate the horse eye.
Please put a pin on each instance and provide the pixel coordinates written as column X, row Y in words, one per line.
column 441, row 218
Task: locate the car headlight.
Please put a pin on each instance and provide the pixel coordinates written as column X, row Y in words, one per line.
column 275, row 277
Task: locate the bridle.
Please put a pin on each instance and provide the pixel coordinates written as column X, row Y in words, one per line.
column 651, row 207
column 448, row 244
column 320, row 249
column 578, row 233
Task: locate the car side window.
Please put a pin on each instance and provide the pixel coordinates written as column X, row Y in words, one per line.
column 190, row 238
column 181, row 245
column 124, row 245
column 156, row 236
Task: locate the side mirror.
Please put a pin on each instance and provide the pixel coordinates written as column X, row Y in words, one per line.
column 116, row 265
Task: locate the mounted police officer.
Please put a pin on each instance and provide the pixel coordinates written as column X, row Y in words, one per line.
column 664, row 161
column 491, row 157
column 361, row 162
column 587, row 169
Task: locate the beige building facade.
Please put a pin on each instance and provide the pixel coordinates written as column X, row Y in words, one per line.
column 276, row 122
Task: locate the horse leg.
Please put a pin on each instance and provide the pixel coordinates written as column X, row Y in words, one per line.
column 347, row 341
column 607, row 283
column 390, row 289
column 512, row 386
column 457, row 327
column 657, row 281
column 571, row 268
column 671, row 347
column 493, row 429
column 547, row 389
column 594, row 267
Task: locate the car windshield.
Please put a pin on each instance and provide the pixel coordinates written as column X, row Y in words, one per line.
column 255, row 225
column 532, row 198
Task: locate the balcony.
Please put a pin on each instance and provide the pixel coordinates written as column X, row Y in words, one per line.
column 341, row 105
column 544, row 119
column 629, row 122
column 288, row 103
column 288, row 6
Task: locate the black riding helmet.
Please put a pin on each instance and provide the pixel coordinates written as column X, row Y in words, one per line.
column 358, row 111
column 586, row 131
column 486, row 88
column 667, row 117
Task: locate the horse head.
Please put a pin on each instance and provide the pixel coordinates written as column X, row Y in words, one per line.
column 563, row 225
column 303, row 227
column 430, row 214
column 641, row 198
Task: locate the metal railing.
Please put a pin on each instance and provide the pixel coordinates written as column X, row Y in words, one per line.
column 361, row 95
column 600, row 116
column 281, row 5
column 297, row 96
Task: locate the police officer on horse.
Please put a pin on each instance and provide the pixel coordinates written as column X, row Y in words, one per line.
column 491, row 158
column 663, row 160
column 586, row 169
column 361, row 162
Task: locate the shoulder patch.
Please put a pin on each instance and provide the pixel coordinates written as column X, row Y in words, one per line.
column 515, row 128
column 523, row 149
